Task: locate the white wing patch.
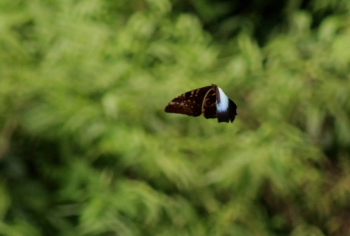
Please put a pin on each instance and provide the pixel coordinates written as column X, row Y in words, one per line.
column 223, row 105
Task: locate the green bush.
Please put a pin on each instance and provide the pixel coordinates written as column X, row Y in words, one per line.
column 87, row 149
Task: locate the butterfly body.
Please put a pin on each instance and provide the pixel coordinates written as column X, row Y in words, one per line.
column 210, row 101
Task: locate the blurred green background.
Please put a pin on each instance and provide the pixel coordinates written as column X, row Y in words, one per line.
column 87, row 149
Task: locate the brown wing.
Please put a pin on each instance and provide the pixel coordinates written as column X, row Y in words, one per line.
column 209, row 104
column 189, row 103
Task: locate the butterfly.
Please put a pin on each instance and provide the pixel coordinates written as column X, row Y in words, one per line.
column 209, row 100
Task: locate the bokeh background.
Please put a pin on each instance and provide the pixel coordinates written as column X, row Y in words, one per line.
column 87, row 149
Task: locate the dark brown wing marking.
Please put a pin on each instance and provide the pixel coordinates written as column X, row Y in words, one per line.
column 209, row 104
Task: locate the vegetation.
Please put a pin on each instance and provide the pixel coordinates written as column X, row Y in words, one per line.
column 86, row 148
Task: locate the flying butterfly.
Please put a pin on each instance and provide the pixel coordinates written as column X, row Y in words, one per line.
column 210, row 100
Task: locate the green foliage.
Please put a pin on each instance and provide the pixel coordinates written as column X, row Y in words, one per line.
column 86, row 149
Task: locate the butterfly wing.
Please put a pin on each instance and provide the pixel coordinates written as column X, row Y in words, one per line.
column 209, row 104
column 189, row 103
column 210, row 100
column 226, row 108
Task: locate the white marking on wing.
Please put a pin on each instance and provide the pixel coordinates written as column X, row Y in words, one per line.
column 223, row 105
